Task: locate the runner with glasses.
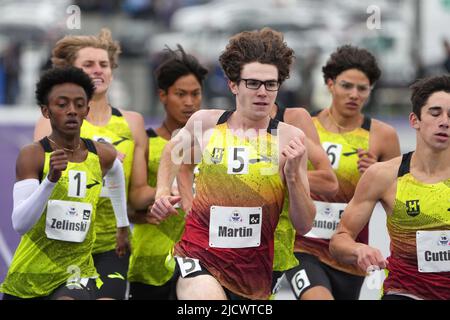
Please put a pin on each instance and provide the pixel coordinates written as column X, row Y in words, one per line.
column 353, row 143
column 248, row 163
column 414, row 191
column 270, row 85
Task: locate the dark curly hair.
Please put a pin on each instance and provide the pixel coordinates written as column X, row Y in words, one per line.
column 349, row 57
column 176, row 65
column 264, row 46
column 422, row 89
column 56, row 76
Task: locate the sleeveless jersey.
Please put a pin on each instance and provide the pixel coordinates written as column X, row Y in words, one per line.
column 153, row 244
column 284, row 258
column 40, row 264
column 239, row 197
column 419, row 228
column 118, row 133
column 342, row 152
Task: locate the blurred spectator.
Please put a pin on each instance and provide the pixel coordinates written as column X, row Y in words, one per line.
column 102, row 6
column 2, row 81
column 164, row 10
column 139, row 9
column 447, row 55
column 11, row 70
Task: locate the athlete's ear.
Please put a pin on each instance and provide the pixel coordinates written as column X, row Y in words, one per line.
column 414, row 121
column 87, row 111
column 233, row 86
column 330, row 84
column 162, row 96
column 44, row 111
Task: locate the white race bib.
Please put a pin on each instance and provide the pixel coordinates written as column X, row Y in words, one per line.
column 327, row 219
column 188, row 265
column 238, row 160
column 68, row 220
column 334, row 151
column 235, row 227
column 433, row 251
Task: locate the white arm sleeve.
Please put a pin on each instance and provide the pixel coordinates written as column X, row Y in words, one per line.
column 115, row 182
column 30, row 199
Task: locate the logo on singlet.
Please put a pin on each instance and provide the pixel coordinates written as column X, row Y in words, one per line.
column 217, row 155
column 348, row 154
column 412, row 207
column 122, row 139
column 88, row 186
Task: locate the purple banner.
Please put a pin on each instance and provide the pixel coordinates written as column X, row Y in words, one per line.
column 12, row 139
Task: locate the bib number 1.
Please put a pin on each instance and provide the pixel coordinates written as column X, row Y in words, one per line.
column 77, row 184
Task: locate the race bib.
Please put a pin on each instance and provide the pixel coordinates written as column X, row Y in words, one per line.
column 433, row 251
column 68, row 220
column 188, row 265
column 327, row 219
column 235, row 227
column 334, row 151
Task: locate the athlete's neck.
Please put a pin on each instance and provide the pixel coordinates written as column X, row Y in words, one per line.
column 239, row 121
column 100, row 111
column 168, row 127
column 67, row 143
column 431, row 161
column 341, row 122
column 273, row 111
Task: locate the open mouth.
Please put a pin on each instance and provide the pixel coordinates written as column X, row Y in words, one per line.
column 71, row 123
column 97, row 81
column 442, row 136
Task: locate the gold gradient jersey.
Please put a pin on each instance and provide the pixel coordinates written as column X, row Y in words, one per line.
column 239, row 197
column 419, row 228
column 342, row 150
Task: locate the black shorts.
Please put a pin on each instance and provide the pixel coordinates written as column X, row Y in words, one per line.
column 142, row 291
column 79, row 292
column 277, row 278
column 113, row 273
column 202, row 270
column 311, row 272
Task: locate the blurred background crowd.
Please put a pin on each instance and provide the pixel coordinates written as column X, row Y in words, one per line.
column 409, row 41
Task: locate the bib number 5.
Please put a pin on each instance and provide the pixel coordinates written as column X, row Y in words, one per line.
column 237, row 160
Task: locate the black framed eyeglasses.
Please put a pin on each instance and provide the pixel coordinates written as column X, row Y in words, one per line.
column 270, row 85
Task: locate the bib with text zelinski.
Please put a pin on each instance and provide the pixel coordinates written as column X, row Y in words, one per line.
column 235, row 227
column 433, row 251
column 68, row 220
column 327, row 219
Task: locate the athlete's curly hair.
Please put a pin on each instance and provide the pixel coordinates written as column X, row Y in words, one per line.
column 56, row 76
column 349, row 57
column 265, row 46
